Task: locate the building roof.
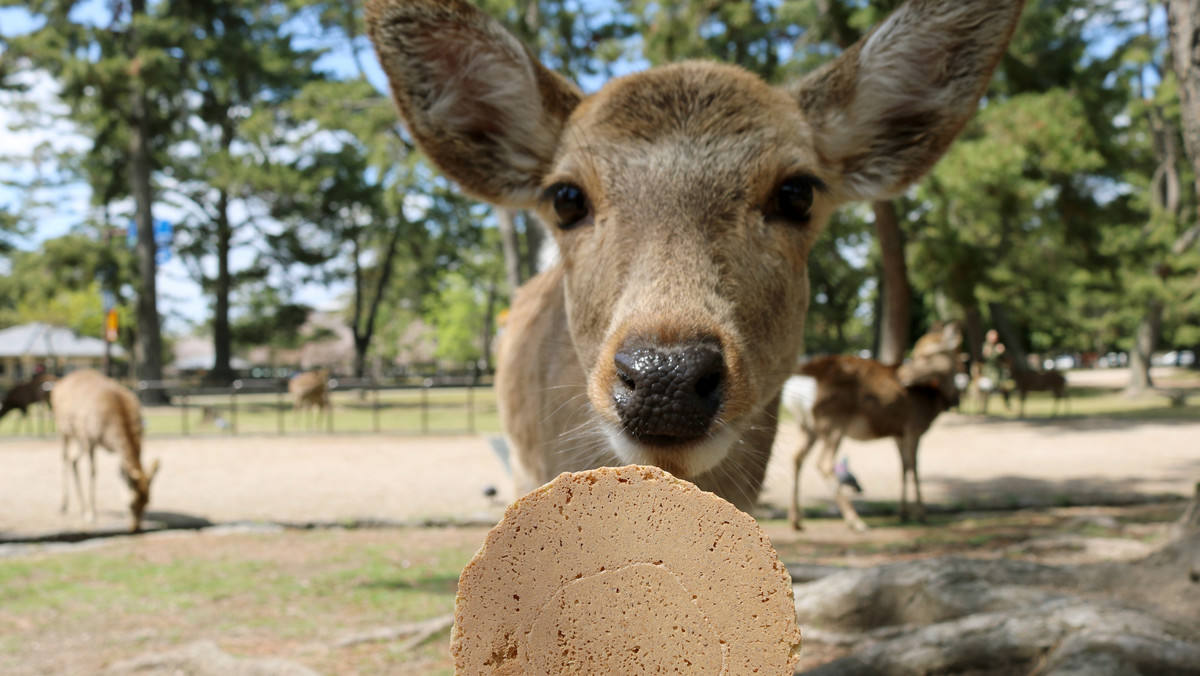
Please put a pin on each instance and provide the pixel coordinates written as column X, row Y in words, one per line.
column 44, row 340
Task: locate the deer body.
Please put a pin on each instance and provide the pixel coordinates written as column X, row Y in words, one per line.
column 863, row 400
column 310, row 390
column 684, row 201
column 1045, row 381
column 93, row 410
column 28, row 393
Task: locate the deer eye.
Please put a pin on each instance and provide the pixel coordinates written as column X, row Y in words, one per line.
column 794, row 199
column 570, row 204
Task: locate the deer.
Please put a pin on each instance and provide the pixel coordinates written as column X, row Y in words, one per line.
column 310, row 389
column 838, row 397
column 1041, row 381
column 93, row 410
column 26, row 394
column 684, row 200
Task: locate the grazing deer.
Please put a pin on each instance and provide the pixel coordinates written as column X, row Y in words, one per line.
column 311, row 390
column 1044, row 381
column 684, row 201
column 28, row 393
column 93, row 410
column 838, row 397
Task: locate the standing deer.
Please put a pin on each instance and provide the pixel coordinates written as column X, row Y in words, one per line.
column 684, row 200
column 311, row 390
column 93, row 410
column 1044, row 381
column 839, row 397
column 28, row 393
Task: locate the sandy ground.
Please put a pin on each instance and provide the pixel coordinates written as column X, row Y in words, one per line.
column 964, row 461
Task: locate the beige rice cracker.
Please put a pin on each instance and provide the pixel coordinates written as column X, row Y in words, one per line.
column 625, row 571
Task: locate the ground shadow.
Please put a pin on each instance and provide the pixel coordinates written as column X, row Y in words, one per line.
column 442, row 583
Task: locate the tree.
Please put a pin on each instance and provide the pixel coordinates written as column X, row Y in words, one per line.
column 239, row 58
column 121, row 83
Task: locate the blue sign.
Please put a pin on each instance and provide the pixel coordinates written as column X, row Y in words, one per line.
column 164, row 232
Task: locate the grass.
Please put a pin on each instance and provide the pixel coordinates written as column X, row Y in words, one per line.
column 268, row 593
column 1093, row 402
column 409, row 411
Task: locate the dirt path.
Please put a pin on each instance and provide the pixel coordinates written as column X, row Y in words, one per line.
column 964, row 461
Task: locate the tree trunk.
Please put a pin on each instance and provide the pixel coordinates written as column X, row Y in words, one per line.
column 362, row 337
column 222, row 372
column 1183, row 37
column 1144, row 343
column 975, row 333
column 534, row 235
column 149, row 333
column 895, row 290
column 1012, row 342
column 489, row 320
column 511, row 245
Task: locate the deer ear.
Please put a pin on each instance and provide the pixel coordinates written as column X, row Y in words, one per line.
column 474, row 99
column 888, row 107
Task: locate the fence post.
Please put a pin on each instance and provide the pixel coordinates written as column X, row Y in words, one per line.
column 425, row 385
column 184, row 397
column 237, row 385
column 279, row 406
column 375, row 405
column 332, row 385
column 471, row 408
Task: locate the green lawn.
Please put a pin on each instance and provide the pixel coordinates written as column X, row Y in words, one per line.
column 434, row 411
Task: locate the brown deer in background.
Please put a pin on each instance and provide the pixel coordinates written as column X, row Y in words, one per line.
column 311, row 390
column 28, row 393
column 93, row 410
column 1045, row 381
column 864, row 400
column 684, row 201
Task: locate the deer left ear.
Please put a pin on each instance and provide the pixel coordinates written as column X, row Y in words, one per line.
column 478, row 104
column 888, row 107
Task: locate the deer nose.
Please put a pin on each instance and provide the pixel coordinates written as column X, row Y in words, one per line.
column 666, row 395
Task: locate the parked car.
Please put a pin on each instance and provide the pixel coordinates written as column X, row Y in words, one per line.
column 1178, row 358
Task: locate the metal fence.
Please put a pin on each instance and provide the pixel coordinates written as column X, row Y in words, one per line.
column 264, row 407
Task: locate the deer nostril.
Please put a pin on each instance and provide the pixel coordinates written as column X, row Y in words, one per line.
column 708, row 384
column 626, row 379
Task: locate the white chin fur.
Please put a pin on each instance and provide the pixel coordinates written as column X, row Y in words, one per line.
column 683, row 461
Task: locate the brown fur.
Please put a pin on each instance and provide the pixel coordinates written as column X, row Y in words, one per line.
column 681, row 166
column 28, row 393
column 865, row 400
column 93, row 410
column 1045, row 381
column 311, row 390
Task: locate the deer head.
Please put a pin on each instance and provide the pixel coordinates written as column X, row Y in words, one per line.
column 685, row 199
column 138, row 481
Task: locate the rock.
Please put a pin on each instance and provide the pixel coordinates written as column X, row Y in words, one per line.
column 925, row 592
column 204, row 658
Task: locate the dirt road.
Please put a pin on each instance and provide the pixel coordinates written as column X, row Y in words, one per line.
column 964, row 461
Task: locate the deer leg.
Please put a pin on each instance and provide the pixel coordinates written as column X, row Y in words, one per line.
column 908, row 461
column 90, row 514
column 810, row 440
column 67, row 468
column 829, row 446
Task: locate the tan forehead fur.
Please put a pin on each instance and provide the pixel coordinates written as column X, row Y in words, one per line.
column 723, row 120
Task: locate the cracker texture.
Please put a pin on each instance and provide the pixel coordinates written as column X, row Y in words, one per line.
column 625, row 570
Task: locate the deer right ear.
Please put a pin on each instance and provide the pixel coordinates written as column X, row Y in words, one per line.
column 474, row 99
column 885, row 110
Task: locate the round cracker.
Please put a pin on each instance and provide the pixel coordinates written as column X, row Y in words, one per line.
column 625, row 570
